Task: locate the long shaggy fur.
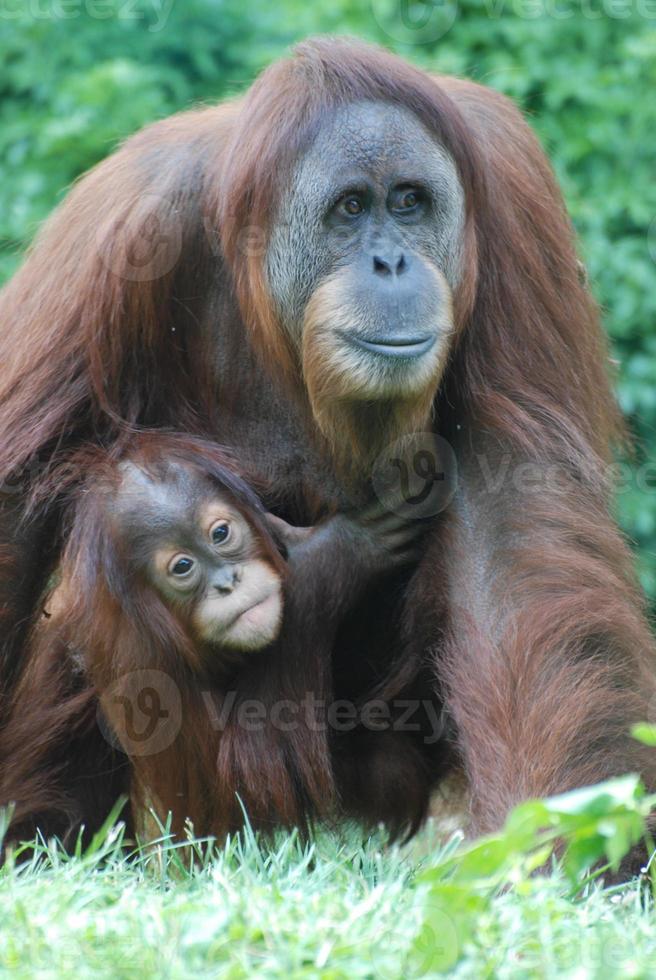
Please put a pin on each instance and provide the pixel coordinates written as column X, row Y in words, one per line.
column 85, row 676
column 523, row 616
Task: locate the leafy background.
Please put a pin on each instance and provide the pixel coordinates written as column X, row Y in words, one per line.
column 77, row 76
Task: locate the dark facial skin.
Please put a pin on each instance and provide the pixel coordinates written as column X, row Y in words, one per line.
column 366, row 248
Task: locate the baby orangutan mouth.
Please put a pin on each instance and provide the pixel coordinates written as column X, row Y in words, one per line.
column 247, row 621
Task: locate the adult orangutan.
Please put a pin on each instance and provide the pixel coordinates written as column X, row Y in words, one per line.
column 352, row 252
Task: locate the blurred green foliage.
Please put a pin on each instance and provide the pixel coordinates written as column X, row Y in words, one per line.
column 77, row 76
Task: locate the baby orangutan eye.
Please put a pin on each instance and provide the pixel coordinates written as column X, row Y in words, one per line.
column 181, row 566
column 220, row 532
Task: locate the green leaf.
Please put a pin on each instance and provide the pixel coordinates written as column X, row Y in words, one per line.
column 645, row 733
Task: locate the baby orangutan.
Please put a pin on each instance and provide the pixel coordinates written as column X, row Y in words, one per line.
column 205, row 549
column 180, row 602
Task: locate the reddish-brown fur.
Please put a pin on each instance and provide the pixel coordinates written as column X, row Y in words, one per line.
column 523, row 616
column 58, row 762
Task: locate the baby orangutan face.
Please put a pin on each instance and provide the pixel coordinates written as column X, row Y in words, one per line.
column 203, row 557
column 215, row 564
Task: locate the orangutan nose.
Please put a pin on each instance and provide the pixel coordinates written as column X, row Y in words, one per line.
column 390, row 264
column 226, row 579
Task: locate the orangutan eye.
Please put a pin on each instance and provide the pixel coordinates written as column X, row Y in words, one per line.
column 181, row 566
column 352, row 205
column 406, row 199
column 220, row 532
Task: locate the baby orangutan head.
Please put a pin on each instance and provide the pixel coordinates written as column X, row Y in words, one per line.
column 206, row 554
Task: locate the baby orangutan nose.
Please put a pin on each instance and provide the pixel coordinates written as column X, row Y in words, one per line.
column 226, row 579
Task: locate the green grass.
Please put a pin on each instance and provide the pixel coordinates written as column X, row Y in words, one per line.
column 336, row 908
